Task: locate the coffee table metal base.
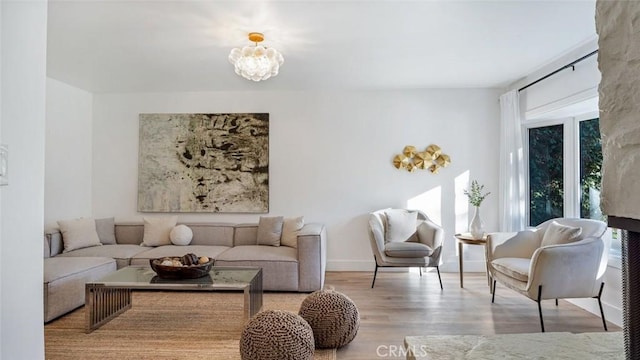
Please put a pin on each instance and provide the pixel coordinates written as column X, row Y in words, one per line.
column 106, row 302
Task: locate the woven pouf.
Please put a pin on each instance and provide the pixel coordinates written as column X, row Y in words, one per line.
column 277, row 335
column 333, row 317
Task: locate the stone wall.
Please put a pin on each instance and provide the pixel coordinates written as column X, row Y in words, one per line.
column 618, row 27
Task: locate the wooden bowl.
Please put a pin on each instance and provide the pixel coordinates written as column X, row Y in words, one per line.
column 180, row 272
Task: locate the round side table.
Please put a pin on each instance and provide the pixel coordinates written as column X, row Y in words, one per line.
column 466, row 238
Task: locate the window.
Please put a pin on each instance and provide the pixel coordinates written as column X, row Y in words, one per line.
column 546, row 169
column 590, row 167
column 564, row 171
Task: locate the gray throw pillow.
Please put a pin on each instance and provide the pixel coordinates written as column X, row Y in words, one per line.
column 106, row 231
column 270, row 230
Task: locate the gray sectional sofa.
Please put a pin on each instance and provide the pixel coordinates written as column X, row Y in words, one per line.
column 284, row 268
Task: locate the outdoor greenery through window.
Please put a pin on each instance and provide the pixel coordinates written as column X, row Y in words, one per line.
column 590, row 170
column 546, row 166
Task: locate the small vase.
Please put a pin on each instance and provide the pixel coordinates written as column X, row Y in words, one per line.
column 476, row 227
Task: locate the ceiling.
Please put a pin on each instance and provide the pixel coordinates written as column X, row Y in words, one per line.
column 151, row 46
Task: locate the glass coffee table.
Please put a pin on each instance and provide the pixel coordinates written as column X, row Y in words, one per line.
column 110, row 296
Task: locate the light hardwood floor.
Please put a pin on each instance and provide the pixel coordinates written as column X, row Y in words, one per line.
column 403, row 304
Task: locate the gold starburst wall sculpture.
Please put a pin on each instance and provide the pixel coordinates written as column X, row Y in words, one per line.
column 411, row 159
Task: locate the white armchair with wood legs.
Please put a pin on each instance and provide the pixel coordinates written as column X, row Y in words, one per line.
column 560, row 259
column 405, row 238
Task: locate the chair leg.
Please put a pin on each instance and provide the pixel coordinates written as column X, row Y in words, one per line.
column 439, row 278
column 556, row 302
column 493, row 291
column 604, row 321
column 374, row 276
column 540, row 306
column 420, row 271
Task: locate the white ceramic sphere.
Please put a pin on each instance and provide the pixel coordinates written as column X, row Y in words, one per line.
column 181, row 235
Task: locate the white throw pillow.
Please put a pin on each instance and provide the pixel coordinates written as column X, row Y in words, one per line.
column 401, row 225
column 181, row 235
column 560, row 234
column 270, row 230
column 290, row 229
column 79, row 233
column 157, row 230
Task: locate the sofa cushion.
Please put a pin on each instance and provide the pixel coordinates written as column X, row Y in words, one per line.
column 407, row 249
column 557, row 234
column 401, row 225
column 121, row 253
column 290, row 228
column 79, row 233
column 210, row 251
column 270, row 230
column 220, row 234
column 279, row 264
column 203, row 233
column 245, row 234
column 517, row 268
column 64, row 282
column 157, row 230
column 106, row 230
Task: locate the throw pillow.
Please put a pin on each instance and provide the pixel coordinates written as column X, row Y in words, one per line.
column 560, row 234
column 78, row 233
column 181, row 235
column 157, row 230
column 401, row 225
column 106, row 229
column 425, row 233
column 270, row 230
column 290, row 229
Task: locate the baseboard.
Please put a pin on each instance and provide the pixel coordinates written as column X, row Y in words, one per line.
column 612, row 313
column 369, row 265
column 350, row 265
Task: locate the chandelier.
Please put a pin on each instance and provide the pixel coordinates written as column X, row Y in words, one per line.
column 256, row 62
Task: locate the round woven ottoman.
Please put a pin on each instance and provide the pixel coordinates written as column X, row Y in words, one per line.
column 277, row 335
column 333, row 317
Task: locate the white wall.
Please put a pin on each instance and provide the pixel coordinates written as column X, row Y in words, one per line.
column 23, row 69
column 68, row 153
column 1, row 100
column 565, row 88
column 330, row 157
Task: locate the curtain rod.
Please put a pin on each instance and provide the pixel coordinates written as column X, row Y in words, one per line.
column 569, row 65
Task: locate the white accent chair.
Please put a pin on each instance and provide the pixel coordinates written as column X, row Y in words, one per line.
column 527, row 263
column 422, row 249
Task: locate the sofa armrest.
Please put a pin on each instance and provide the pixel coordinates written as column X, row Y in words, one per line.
column 53, row 241
column 312, row 257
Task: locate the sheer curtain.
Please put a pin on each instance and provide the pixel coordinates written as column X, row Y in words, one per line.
column 511, row 195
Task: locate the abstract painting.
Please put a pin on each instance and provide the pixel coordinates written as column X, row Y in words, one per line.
column 216, row 163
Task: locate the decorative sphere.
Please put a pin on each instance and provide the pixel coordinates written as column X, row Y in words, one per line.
column 181, row 235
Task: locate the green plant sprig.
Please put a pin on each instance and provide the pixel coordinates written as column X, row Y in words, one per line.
column 475, row 193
